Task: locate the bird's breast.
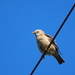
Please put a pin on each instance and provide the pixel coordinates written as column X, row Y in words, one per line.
column 43, row 42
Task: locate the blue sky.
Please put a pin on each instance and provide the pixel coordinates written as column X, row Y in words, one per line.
column 18, row 49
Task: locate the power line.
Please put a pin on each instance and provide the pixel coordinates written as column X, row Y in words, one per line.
column 53, row 39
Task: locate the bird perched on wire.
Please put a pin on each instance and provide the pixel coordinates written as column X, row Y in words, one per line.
column 43, row 40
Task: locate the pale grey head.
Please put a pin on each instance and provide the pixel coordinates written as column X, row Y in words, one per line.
column 38, row 32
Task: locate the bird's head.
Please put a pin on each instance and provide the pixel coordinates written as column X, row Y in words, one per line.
column 38, row 32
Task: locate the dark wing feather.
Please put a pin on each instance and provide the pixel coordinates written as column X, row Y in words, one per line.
column 50, row 38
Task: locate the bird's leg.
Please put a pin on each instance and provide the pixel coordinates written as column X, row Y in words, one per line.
column 43, row 57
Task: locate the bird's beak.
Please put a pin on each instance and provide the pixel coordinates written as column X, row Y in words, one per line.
column 33, row 32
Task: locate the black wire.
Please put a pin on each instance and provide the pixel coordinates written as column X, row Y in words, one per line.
column 53, row 39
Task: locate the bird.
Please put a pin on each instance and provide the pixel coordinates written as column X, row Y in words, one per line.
column 43, row 40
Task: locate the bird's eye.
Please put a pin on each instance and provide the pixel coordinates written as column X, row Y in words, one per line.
column 37, row 31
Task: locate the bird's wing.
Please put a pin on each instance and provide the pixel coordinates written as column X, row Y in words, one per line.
column 50, row 38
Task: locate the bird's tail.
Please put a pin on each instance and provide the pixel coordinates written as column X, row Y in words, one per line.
column 58, row 58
